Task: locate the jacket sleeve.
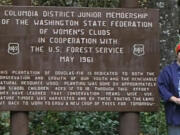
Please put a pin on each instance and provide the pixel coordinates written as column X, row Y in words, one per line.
column 164, row 85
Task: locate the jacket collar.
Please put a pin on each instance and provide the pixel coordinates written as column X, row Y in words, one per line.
column 176, row 65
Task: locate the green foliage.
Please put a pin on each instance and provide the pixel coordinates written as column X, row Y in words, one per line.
column 153, row 123
column 78, row 3
column 5, row 2
column 74, row 123
column 4, row 123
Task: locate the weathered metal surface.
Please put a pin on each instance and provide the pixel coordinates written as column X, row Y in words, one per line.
column 60, row 59
column 129, row 123
column 19, row 123
column 129, row 4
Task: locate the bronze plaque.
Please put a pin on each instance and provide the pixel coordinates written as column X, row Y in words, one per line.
column 78, row 59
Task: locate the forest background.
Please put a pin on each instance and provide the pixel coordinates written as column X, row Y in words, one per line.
column 106, row 123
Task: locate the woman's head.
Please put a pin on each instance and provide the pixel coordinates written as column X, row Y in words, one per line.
column 177, row 48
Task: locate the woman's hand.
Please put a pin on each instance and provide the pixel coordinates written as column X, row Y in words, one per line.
column 175, row 100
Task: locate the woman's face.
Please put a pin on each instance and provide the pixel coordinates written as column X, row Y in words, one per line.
column 178, row 56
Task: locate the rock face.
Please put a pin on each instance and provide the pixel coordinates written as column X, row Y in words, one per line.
column 169, row 28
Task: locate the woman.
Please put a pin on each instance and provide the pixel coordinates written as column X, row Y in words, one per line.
column 169, row 89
